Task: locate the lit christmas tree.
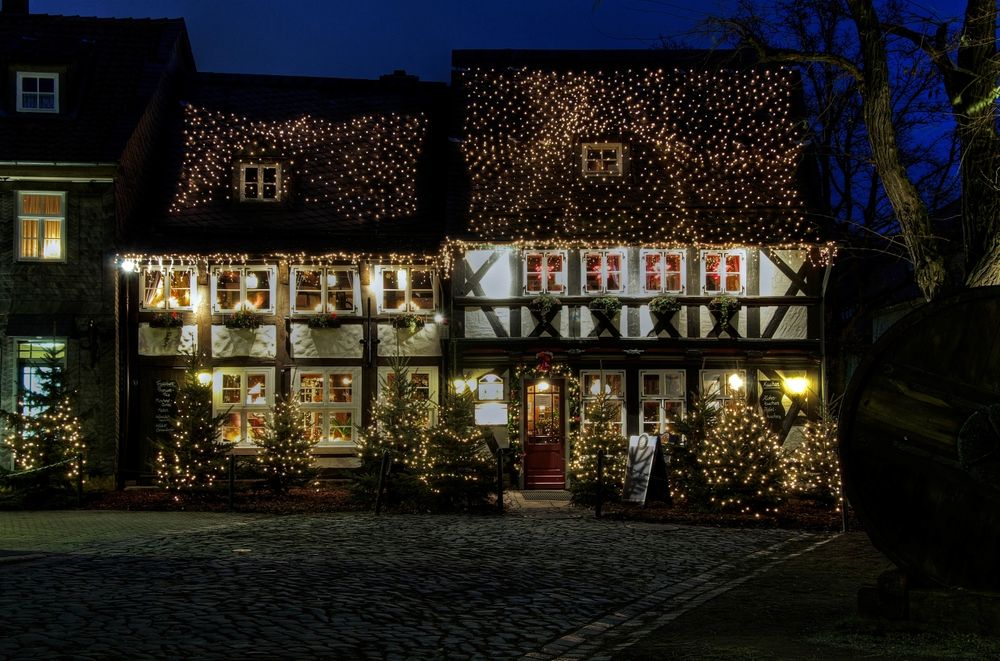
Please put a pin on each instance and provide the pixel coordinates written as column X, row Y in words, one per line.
column 195, row 454
column 400, row 415
column 285, row 455
column 741, row 461
column 601, row 431
column 687, row 480
column 458, row 470
column 813, row 467
column 45, row 430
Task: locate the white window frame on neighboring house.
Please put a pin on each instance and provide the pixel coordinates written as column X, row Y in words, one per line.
column 329, row 286
column 246, row 406
column 723, row 272
column 259, row 167
column 594, row 161
column 41, row 240
column 160, row 295
column 560, row 279
column 432, row 386
column 670, row 402
column 588, row 379
column 603, row 275
column 245, row 288
column 38, row 76
column 715, row 383
column 661, row 271
column 405, row 271
column 322, row 413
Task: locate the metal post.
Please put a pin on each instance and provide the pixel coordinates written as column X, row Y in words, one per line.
column 79, row 480
column 600, row 484
column 500, row 480
column 232, row 480
column 383, row 473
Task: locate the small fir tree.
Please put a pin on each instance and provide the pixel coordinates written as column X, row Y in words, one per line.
column 400, row 415
column 458, row 467
column 601, row 431
column 195, row 454
column 687, row 480
column 45, row 430
column 741, row 461
column 813, row 467
column 285, row 455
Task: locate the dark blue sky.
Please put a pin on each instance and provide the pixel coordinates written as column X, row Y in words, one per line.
column 367, row 38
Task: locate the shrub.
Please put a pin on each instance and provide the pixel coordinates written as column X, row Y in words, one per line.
column 609, row 305
column 665, row 305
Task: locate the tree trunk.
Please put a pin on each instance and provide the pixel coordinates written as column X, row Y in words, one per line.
column 911, row 212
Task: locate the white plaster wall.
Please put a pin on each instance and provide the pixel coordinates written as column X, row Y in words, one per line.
column 168, row 341
column 772, row 281
column 560, row 322
column 708, row 322
column 647, row 321
column 792, row 327
column 496, row 282
column 476, row 324
column 256, row 343
column 342, row 342
column 587, row 322
column 425, row 342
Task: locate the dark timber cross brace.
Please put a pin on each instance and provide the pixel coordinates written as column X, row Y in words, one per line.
column 664, row 323
column 798, row 284
column 544, row 322
column 603, row 323
column 473, row 286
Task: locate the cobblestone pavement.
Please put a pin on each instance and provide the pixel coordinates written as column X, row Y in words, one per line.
column 99, row 585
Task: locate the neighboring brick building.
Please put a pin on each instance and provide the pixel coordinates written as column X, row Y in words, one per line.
column 80, row 116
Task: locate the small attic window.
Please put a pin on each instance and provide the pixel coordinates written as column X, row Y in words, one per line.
column 602, row 159
column 37, row 91
column 260, row 182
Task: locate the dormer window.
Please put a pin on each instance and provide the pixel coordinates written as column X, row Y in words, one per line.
column 602, row 159
column 260, row 182
column 37, row 91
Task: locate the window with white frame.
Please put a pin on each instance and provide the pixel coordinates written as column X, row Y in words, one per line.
column 722, row 385
column 662, row 271
column 406, row 289
column 37, row 91
column 611, row 383
column 604, row 271
column 601, row 159
column 723, row 271
column 243, row 288
column 169, row 287
column 331, row 400
column 245, row 396
column 41, row 226
column 317, row 289
column 662, row 400
column 545, row 271
column 36, row 358
column 260, row 182
column 425, row 381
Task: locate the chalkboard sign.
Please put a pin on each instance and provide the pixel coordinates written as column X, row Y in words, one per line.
column 164, row 396
column 645, row 465
column 770, row 402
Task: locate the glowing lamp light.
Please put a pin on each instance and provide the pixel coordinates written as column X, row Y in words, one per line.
column 252, row 280
column 735, row 382
column 318, row 308
column 438, row 318
column 331, row 279
column 595, row 388
column 129, row 266
column 248, row 305
column 796, row 385
column 459, row 385
column 204, row 378
column 542, row 386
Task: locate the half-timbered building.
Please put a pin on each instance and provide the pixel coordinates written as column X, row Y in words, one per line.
column 632, row 222
column 298, row 254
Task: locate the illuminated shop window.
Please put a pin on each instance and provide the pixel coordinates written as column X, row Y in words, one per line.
column 662, row 400
column 662, row 271
column 169, row 287
column 326, row 289
column 243, row 288
column 245, row 395
column 41, row 226
column 723, row 271
column 406, row 289
column 612, row 383
column 331, row 400
column 604, row 271
column 545, row 271
column 425, row 380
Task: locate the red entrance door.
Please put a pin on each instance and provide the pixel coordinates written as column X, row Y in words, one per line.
column 544, row 438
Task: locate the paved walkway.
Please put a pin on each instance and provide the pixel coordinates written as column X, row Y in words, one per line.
column 208, row 586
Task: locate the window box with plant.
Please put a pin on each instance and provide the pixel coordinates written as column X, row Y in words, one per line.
column 665, row 306
column 726, row 306
column 606, row 305
column 543, row 304
column 243, row 319
column 324, row 321
column 408, row 322
column 166, row 320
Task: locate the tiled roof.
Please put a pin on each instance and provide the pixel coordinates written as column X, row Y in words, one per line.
column 355, row 184
column 111, row 67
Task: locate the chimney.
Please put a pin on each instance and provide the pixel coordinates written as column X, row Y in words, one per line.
column 15, row 8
